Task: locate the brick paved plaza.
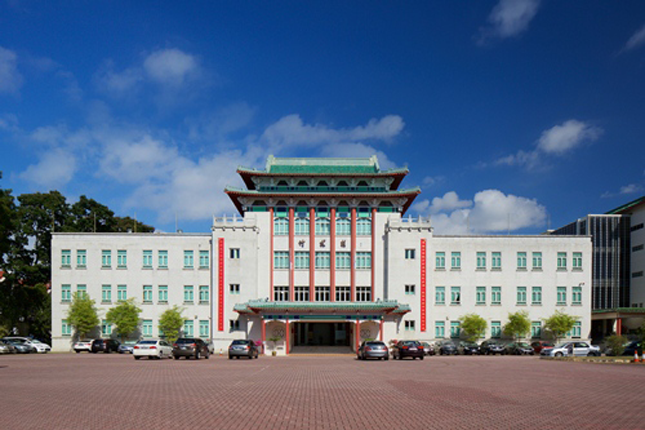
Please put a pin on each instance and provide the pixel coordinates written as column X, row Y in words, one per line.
column 70, row 391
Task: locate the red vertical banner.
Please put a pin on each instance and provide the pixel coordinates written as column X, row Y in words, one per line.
column 220, row 284
column 423, row 285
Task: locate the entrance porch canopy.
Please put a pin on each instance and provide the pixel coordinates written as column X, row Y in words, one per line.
column 265, row 307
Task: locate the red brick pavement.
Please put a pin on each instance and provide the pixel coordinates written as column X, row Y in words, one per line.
column 70, row 391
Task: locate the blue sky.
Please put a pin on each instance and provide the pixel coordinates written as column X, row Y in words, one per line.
column 511, row 115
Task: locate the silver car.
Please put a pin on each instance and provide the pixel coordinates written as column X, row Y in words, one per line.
column 373, row 349
column 572, row 349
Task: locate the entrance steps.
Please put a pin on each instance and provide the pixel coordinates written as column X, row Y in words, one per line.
column 321, row 350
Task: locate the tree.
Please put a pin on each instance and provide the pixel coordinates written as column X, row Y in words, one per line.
column 518, row 325
column 473, row 327
column 616, row 344
column 125, row 316
column 82, row 314
column 171, row 322
column 559, row 324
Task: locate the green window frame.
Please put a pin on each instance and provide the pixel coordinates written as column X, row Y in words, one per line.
column 121, row 258
column 521, row 261
column 189, row 259
column 481, row 261
column 281, row 226
column 66, row 293
column 480, row 295
column 203, row 294
column 562, row 261
column 440, row 295
column 147, row 259
column 536, row 295
column 106, row 293
column 81, row 258
column 147, row 293
column 364, row 227
column 189, row 328
column 410, row 325
column 343, row 226
column 576, row 261
column 576, row 295
column 496, row 295
column 521, row 296
column 302, row 226
column 455, row 295
column 322, row 260
column 363, row 260
column 496, row 261
column 189, row 294
column 66, row 328
column 323, row 226
column 163, row 259
column 495, row 329
column 147, row 328
column 576, row 331
column 455, row 261
column 106, row 258
column 281, row 259
column 204, row 262
column 106, row 328
column 410, row 289
column 343, row 260
column 536, row 329
column 66, row 258
column 301, row 260
column 204, row 328
column 440, row 261
column 122, row 293
column 537, row 261
column 561, row 296
column 81, row 290
column 439, row 329
column 163, row 293
column 235, row 289
column 455, row 329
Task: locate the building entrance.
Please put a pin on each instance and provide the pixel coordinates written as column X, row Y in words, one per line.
column 322, row 334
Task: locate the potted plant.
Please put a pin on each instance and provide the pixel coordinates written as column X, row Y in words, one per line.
column 274, row 339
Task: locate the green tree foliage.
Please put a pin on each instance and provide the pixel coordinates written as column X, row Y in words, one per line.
column 559, row 324
column 82, row 314
column 125, row 316
column 171, row 322
column 518, row 325
column 616, row 344
column 473, row 327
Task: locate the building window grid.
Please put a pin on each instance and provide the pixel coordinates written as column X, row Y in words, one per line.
column 576, row 331
column 343, row 260
column 410, row 289
column 363, row 260
column 234, row 325
column 122, row 258
column 147, row 259
column 122, row 293
column 537, row 261
column 301, row 294
column 66, row 328
column 576, row 295
column 163, row 294
column 521, row 261
column 106, row 328
column 147, row 328
column 455, row 295
column 455, row 329
column 440, row 260
column 323, row 226
column 281, row 294
column 496, row 261
column 204, row 328
column 363, row 294
column 66, row 293
column 439, row 329
column 495, row 329
column 81, row 258
column 189, row 328
column 106, row 293
column 536, row 295
column 536, row 329
column 480, row 295
column 322, row 294
column 561, row 296
column 281, row 226
column 147, row 293
column 455, row 261
column 343, row 227
column 234, row 253
column 302, row 226
column 562, row 261
column 440, row 296
column 576, row 261
column 189, row 259
column 496, row 296
column 203, row 294
column 322, row 260
column 66, row 258
column 162, row 259
column 521, row 296
column 410, row 325
column 481, row 261
column 81, row 290
column 301, row 260
column 410, row 254
column 281, row 259
column 235, row 289
column 106, row 258
column 343, row 294
column 364, row 227
column 189, row 294
column 204, row 260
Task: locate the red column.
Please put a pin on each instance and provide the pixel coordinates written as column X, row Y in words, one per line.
column 358, row 334
column 380, row 331
column 271, row 297
column 619, row 326
column 220, row 284
column 287, row 334
column 332, row 255
column 373, row 250
column 423, row 284
column 291, row 254
column 353, row 257
column 264, row 334
column 312, row 253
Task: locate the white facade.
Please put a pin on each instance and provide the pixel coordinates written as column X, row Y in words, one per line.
column 637, row 283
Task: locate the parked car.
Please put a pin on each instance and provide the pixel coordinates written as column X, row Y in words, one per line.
column 428, row 348
column 468, row 348
column 631, row 348
column 21, row 347
column 104, row 345
column 518, row 348
column 490, row 347
column 539, row 345
column 242, row 348
column 127, row 346
column 83, row 345
column 35, row 343
column 447, row 347
column 7, row 348
column 577, row 349
column 42, row 347
column 152, row 348
column 190, row 347
column 211, row 347
column 408, row 348
column 373, row 349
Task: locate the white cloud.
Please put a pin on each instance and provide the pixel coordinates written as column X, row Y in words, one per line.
column 54, row 169
column 10, row 78
column 170, row 66
column 491, row 211
column 624, row 190
column 509, row 18
column 356, row 150
column 637, row 39
column 118, row 84
column 218, row 125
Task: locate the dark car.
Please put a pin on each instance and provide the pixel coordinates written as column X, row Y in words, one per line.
column 408, row 348
column 21, row 347
column 447, row 347
column 104, row 345
column 190, row 347
column 632, row 348
column 468, row 348
column 373, row 349
column 242, row 348
column 539, row 345
column 490, row 347
column 518, row 348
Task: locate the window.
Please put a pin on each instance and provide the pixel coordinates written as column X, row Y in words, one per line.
column 440, row 295
column 576, row 331
column 81, row 258
column 301, row 294
column 343, row 227
column 281, row 259
column 638, row 274
column 343, row 294
column 322, row 260
column 439, row 329
column 364, row 227
column 81, row 291
column 521, row 261
column 66, row 258
column 322, row 226
column 188, row 294
column 495, row 329
column 537, row 261
column 204, row 329
column 409, row 325
column 302, row 259
column 163, row 293
column 106, row 328
column 234, row 253
column 147, row 293
column 147, row 328
column 302, row 226
column 147, row 259
column 455, row 329
column 106, row 258
column 121, row 258
column 233, row 325
column 440, row 260
column 536, row 329
column 188, row 259
column 163, row 259
column 281, row 294
column 562, row 296
column 410, row 289
column 636, row 227
column 363, row 294
column 66, row 328
column 576, row 295
column 521, row 296
column 577, row 260
column 203, row 260
column 536, row 295
column 363, row 260
column 203, row 294
column 280, row 226
column 66, row 293
column 188, row 328
column 455, row 261
column 122, row 293
column 562, row 261
column 322, row 294
column 481, row 261
column 481, row 295
column 410, row 254
column 343, row 260
column 235, row 288
column 496, row 295
column 455, row 295
column 496, row 261
column 106, row 293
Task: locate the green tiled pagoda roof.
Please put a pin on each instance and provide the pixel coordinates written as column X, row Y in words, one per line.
column 322, row 166
column 262, row 306
column 619, row 310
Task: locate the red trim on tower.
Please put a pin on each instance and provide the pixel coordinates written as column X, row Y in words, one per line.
column 353, row 257
column 292, row 294
column 264, row 335
column 332, row 255
column 312, row 253
column 220, row 284
column 373, row 281
column 619, row 326
column 358, row 335
column 423, row 285
column 380, row 331
column 287, row 334
column 271, row 258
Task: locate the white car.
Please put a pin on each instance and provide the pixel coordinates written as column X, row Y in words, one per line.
column 575, row 349
column 41, row 348
column 152, row 348
column 83, row 345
